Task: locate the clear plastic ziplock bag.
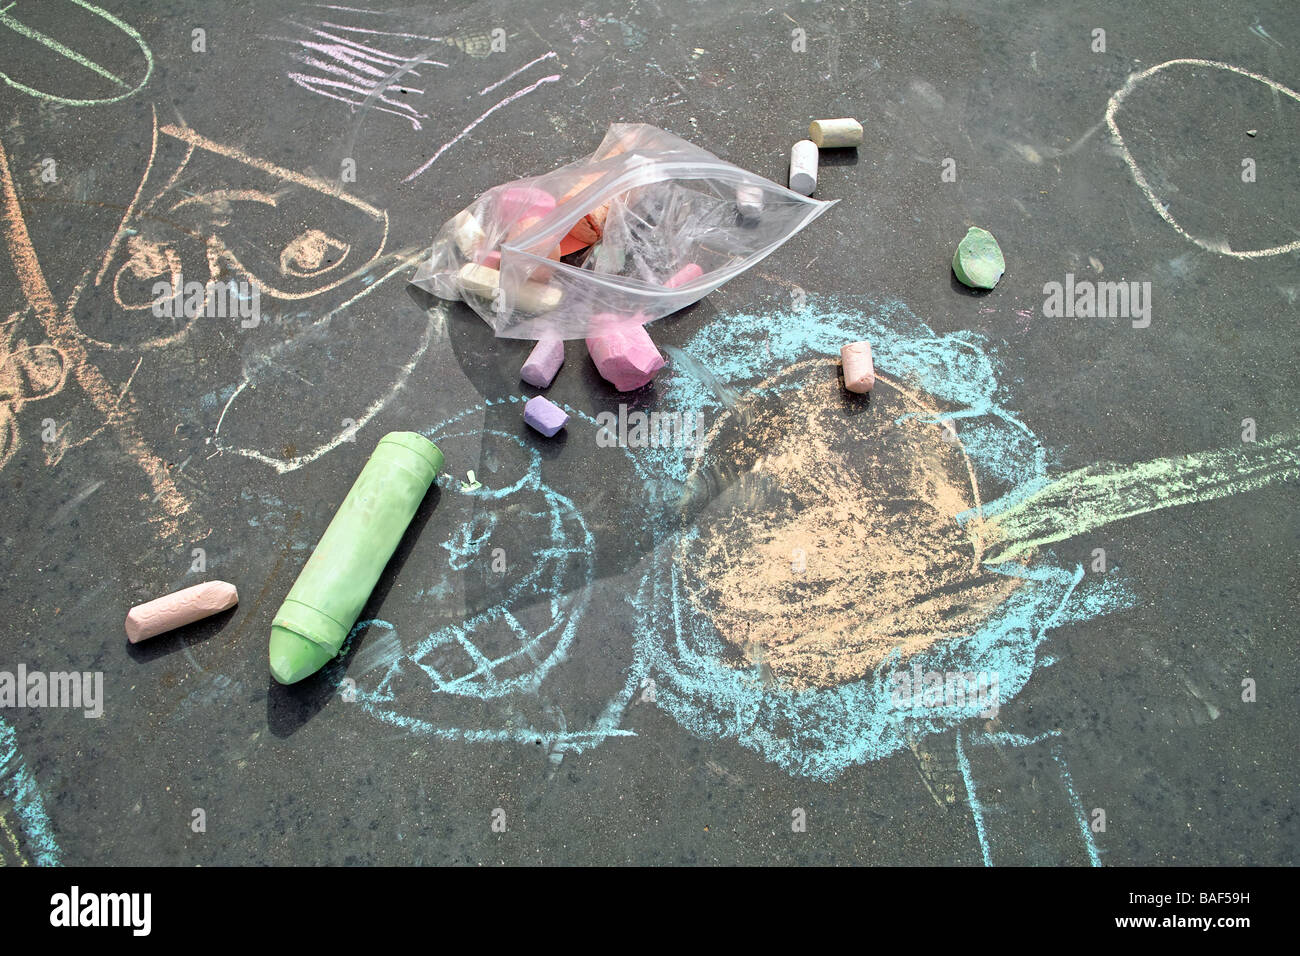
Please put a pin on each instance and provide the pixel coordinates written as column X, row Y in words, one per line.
column 644, row 226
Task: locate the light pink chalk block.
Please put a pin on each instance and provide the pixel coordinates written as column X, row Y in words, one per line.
column 859, row 374
column 626, row 358
column 523, row 202
column 543, row 362
column 684, row 275
column 182, row 607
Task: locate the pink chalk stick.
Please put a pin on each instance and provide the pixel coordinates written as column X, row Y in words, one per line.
column 520, row 202
column 491, row 259
column 627, row 357
column 859, row 374
column 543, row 362
column 181, row 607
column 684, row 275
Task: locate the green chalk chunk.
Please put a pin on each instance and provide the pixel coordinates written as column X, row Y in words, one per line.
column 335, row 583
column 978, row 261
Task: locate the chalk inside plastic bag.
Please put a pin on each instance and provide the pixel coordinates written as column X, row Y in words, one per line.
column 626, row 220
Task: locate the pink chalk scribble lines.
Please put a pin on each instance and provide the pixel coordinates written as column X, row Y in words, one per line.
column 221, row 212
column 341, row 67
column 365, row 67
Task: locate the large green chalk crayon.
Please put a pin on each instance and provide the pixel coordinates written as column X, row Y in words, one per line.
column 335, row 583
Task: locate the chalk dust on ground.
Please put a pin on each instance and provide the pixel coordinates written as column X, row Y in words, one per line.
column 840, row 548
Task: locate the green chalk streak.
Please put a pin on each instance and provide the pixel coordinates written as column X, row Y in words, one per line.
column 19, row 27
column 1091, row 497
column 55, row 45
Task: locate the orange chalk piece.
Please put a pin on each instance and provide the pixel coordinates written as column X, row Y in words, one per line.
column 179, row 608
column 590, row 227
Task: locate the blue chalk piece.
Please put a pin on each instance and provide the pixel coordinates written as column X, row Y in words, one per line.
column 544, row 416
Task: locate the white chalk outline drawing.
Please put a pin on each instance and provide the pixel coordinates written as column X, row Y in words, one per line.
column 1112, row 109
column 7, row 20
column 435, row 327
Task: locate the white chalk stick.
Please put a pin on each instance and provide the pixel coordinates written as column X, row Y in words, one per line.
column 538, row 297
column 803, row 167
column 179, row 608
column 835, row 133
column 468, row 233
column 478, row 280
column 749, row 202
column 535, row 297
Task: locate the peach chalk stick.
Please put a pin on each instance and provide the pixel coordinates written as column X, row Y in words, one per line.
column 626, row 358
column 859, row 374
column 685, row 274
column 179, row 608
column 543, row 362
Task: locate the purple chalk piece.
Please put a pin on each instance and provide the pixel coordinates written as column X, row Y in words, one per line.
column 544, row 416
column 543, row 362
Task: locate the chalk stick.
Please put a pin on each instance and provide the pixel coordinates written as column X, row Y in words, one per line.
column 179, row 608
column 478, row 280
column 803, row 167
column 626, row 358
column 749, row 203
column 859, row 374
column 543, row 362
column 570, row 245
column 538, row 297
column 468, row 233
column 523, row 202
column 544, row 416
column 336, row 581
column 687, row 273
column 590, row 227
column 835, row 133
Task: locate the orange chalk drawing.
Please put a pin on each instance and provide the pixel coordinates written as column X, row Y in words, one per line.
column 175, row 234
column 118, row 411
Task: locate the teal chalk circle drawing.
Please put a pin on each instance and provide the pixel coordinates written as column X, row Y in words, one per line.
column 79, row 62
column 805, row 712
column 496, row 652
column 822, row 690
